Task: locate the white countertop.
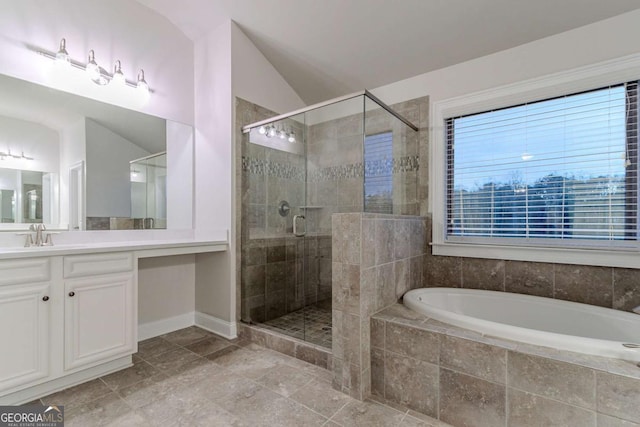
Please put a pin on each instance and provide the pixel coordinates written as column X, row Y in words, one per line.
column 143, row 248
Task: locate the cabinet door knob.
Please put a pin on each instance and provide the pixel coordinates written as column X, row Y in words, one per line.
column 45, row 298
column 71, row 293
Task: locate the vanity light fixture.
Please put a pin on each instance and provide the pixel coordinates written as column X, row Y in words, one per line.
column 97, row 74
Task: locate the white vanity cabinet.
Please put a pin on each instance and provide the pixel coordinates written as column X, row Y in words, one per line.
column 64, row 320
column 99, row 308
column 25, row 301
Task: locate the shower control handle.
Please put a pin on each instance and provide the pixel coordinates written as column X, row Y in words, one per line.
column 295, row 226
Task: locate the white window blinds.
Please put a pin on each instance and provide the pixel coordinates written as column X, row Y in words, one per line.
column 563, row 168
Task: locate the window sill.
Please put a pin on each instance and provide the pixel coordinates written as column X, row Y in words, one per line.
column 624, row 258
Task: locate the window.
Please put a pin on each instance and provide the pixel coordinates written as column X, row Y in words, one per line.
column 564, row 170
column 378, row 173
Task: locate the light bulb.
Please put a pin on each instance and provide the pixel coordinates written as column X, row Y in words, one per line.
column 271, row 132
column 62, row 57
column 292, row 137
column 142, row 86
column 262, row 130
column 281, row 134
column 92, row 69
column 118, row 77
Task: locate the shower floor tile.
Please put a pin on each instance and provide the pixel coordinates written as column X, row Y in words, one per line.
column 311, row 324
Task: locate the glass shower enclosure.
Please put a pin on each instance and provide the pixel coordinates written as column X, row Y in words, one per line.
column 351, row 154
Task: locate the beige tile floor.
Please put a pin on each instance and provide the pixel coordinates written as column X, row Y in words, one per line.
column 193, row 378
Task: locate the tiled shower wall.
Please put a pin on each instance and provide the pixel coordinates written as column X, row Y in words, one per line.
column 275, row 280
column 376, row 259
column 336, row 167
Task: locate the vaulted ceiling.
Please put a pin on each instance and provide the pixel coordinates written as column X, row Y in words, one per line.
column 327, row 48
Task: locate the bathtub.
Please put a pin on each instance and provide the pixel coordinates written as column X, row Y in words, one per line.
column 534, row 320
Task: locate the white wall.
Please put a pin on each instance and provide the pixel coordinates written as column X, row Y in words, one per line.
column 108, row 188
column 255, row 79
column 180, row 145
column 213, row 149
column 165, row 287
column 116, row 29
column 603, row 40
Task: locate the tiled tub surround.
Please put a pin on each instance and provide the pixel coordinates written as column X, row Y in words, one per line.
column 376, row 259
column 468, row 379
column 609, row 287
column 563, row 325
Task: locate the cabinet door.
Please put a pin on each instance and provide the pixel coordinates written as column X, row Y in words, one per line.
column 24, row 334
column 99, row 319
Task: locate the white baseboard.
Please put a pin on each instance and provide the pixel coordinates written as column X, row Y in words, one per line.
column 220, row 327
column 164, row 326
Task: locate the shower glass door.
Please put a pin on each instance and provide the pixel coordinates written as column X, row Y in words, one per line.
column 275, row 228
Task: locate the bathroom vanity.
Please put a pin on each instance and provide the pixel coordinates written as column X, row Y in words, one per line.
column 68, row 313
column 114, row 186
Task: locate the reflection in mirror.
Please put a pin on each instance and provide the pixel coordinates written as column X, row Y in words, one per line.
column 7, row 206
column 149, row 190
column 27, row 197
column 67, row 161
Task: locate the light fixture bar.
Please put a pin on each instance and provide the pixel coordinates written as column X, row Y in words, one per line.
column 83, row 65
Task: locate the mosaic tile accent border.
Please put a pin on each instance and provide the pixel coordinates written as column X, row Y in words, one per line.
column 269, row 168
column 406, row 164
column 353, row 170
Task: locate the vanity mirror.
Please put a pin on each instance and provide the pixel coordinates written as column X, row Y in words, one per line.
column 79, row 164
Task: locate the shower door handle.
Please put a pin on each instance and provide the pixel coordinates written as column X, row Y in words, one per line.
column 295, row 226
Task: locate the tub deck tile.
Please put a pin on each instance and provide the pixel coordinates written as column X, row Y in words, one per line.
column 526, row 409
column 474, row 358
column 565, row 382
column 398, row 314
